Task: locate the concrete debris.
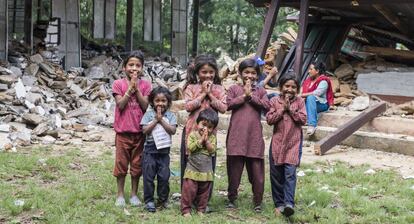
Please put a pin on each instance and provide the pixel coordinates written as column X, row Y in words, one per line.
column 359, row 103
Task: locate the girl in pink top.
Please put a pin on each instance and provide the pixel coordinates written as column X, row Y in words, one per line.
column 287, row 114
column 131, row 97
column 203, row 91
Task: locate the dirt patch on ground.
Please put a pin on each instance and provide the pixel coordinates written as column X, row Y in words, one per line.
column 376, row 159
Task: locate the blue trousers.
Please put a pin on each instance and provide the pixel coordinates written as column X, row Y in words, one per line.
column 156, row 165
column 313, row 107
column 283, row 181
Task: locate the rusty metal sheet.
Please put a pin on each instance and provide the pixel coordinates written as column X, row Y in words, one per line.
column 3, row 29
column 70, row 42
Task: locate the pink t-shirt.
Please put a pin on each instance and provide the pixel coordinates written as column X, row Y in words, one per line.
column 128, row 120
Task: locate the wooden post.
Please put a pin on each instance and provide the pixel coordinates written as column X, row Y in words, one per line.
column 348, row 128
column 196, row 4
column 28, row 24
column 129, row 33
column 303, row 23
column 270, row 21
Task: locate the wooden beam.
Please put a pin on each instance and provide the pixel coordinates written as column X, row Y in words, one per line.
column 346, row 130
column 393, row 19
column 391, row 53
column 129, row 25
column 300, row 41
column 270, row 21
column 28, row 24
column 196, row 5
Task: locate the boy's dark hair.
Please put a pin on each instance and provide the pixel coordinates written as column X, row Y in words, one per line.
column 320, row 66
column 246, row 63
column 134, row 54
column 208, row 115
column 287, row 77
column 160, row 90
column 199, row 62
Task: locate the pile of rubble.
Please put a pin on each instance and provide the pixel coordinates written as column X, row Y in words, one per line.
column 42, row 103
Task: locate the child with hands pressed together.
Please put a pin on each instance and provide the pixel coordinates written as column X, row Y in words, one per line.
column 245, row 144
column 287, row 114
column 204, row 91
column 158, row 124
column 131, row 97
column 198, row 174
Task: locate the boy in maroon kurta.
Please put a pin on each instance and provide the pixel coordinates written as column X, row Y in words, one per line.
column 287, row 113
column 245, row 144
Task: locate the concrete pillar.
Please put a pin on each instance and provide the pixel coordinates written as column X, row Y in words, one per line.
column 70, row 41
column 3, row 29
column 179, row 30
column 104, row 22
column 152, row 20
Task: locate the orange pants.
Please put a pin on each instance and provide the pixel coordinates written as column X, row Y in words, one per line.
column 129, row 148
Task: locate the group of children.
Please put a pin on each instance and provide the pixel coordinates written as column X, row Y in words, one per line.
column 143, row 140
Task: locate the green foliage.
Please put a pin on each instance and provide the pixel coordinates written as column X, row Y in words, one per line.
column 232, row 26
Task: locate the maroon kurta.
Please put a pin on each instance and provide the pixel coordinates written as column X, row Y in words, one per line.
column 245, row 137
column 195, row 106
column 287, row 131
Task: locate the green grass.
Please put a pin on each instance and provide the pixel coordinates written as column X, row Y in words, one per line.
column 69, row 186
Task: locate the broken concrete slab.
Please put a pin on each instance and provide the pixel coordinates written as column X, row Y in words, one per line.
column 34, row 98
column 4, row 128
column 47, row 68
column 7, row 79
column 16, row 71
column 32, row 69
column 94, row 137
column 33, row 119
column 344, row 71
column 41, row 129
column 28, row 80
column 5, row 97
column 20, row 89
column 3, row 87
column 47, row 140
column 387, row 83
column 359, row 103
column 37, row 58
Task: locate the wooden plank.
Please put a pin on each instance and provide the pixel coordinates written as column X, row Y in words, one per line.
column 269, row 24
column 391, row 53
column 196, row 5
column 4, row 25
column 393, row 19
column 303, row 23
column 128, row 27
column 348, row 128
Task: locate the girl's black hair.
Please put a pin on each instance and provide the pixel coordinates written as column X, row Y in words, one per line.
column 199, row 62
column 320, row 66
column 208, row 115
column 160, row 90
column 287, row 77
column 246, row 63
column 134, row 54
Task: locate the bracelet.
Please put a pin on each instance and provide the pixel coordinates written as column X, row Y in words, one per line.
column 127, row 94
